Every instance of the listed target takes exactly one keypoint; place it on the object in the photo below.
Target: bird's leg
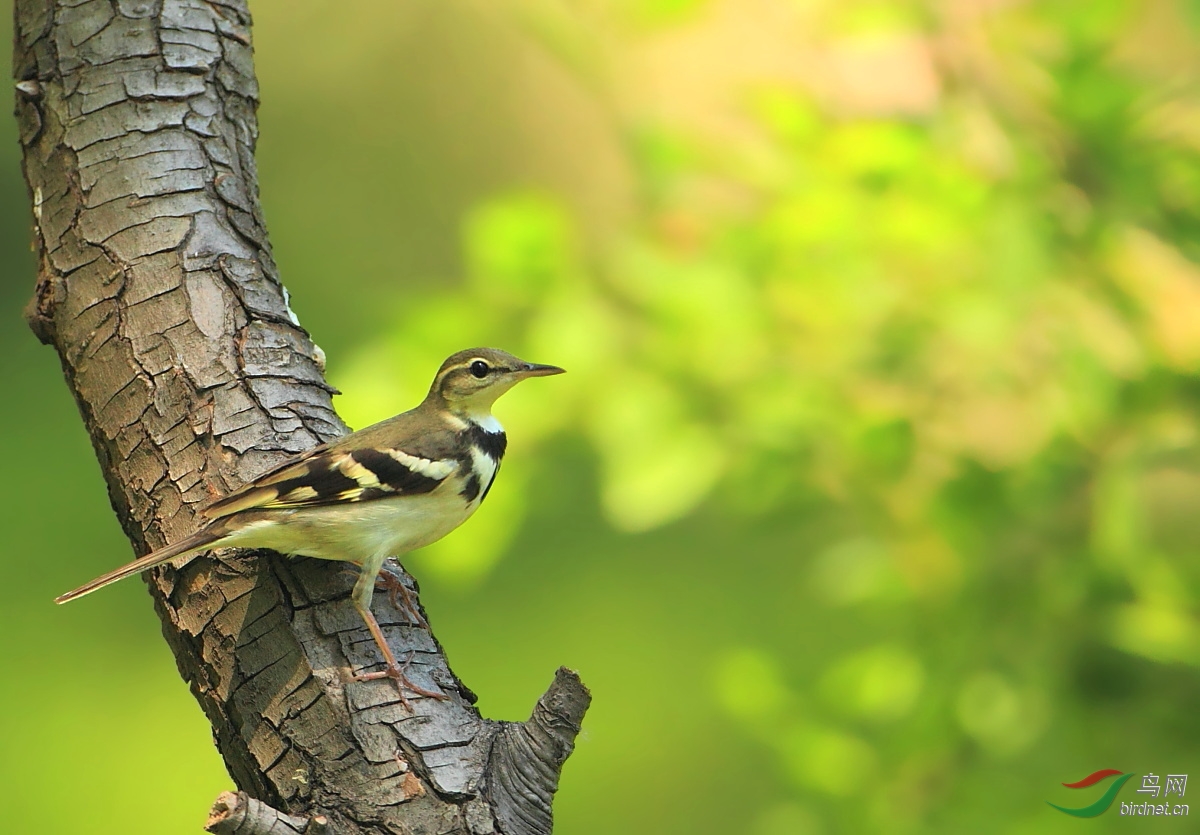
(400, 596)
(363, 591)
(398, 593)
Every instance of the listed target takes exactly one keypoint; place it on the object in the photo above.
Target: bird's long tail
(195, 542)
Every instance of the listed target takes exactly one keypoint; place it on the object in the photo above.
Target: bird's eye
(479, 369)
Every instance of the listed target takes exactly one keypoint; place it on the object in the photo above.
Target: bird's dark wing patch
(400, 474)
(334, 476)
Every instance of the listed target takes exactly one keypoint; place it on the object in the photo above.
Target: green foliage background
(870, 501)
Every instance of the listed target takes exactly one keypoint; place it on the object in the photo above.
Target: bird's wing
(334, 474)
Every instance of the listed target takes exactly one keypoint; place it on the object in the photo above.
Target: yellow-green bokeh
(869, 503)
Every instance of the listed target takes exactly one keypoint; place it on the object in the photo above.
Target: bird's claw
(403, 682)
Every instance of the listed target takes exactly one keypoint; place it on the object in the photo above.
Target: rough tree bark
(157, 288)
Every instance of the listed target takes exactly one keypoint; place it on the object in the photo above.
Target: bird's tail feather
(195, 542)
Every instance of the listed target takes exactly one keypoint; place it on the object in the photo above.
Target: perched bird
(378, 492)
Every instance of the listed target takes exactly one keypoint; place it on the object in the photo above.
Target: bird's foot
(403, 682)
(400, 596)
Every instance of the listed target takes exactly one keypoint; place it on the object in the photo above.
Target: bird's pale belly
(362, 532)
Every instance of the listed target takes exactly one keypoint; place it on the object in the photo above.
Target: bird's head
(470, 381)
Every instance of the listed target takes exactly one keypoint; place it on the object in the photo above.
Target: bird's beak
(534, 370)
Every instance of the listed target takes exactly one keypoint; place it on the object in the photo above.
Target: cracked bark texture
(157, 288)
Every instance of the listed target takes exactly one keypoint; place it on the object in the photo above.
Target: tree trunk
(157, 288)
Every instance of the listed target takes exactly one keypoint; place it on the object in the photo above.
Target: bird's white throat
(487, 422)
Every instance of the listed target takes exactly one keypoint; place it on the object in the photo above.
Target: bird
(382, 491)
